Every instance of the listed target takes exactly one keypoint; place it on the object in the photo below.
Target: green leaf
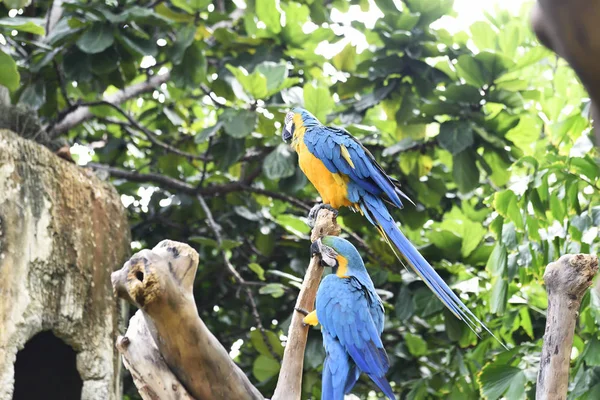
(34, 95)
(465, 171)
(274, 289)
(96, 39)
(499, 295)
(473, 234)
(293, 225)
(455, 136)
(140, 46)
(24, 24)
(268, 12)
(497, 262)
(258, 341)
(254, 84)
(228, 244)
(345, 60)
(276, 75)
(495, 380)
(9, 75)
(470, 70)
(238, 123)
(192, 70)
(280, 163)
(416, 345)
(264, 368)
(258, 270)
(183, 39)
(207, 133)
(405, 307)
(526, 321)
(484, 36)
(318, 101)
(507, 205)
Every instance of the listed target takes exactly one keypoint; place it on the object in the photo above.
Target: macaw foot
(314, 212)
(310, 317)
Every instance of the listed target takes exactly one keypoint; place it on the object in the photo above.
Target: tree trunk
(62, 231)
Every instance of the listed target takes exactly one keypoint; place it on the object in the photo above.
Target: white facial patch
(289, 121)
(328, 255)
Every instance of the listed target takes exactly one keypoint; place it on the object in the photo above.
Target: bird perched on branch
(345, 173)
(351, 316)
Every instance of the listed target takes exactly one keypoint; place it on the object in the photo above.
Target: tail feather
(384, 385)
(378, 214)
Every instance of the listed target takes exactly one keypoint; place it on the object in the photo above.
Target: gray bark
(566, 282)
(62, 231)
(160, 282)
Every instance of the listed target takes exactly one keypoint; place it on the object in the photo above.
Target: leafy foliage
(485, 129)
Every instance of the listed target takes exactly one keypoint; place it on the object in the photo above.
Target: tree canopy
(182, 102)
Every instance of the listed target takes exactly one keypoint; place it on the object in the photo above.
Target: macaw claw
(302, 311)
(314, 212)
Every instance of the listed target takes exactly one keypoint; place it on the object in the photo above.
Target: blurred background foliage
(487, 131)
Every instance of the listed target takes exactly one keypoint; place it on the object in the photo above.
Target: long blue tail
(376, 212)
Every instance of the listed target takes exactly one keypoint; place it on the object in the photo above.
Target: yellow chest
(332, 188)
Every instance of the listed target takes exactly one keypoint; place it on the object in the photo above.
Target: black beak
(288, 133)
(315, 248)
(287, 136)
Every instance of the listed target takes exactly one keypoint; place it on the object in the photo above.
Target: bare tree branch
(82, 114)
(566, 282)
(160, 282)
(289, 383)
(212, 224)
(151, 374)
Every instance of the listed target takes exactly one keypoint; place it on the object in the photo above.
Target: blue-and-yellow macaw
(351, 316)
(345, 173)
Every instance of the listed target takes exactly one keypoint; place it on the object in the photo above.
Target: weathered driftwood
(62, 231)
(160, 282)
(289, 383)
(566, 282)
(151, 374)
(570, 28)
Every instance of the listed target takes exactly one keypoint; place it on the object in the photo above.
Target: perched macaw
(351, 316)
(345, 173)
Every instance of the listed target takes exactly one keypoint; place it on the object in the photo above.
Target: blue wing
(345, 314)
(365, 173)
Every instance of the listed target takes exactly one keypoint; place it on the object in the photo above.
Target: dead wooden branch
(151, 374)
(289, 383)
(160, 282)
(566, 282)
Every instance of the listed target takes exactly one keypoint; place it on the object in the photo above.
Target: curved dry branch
(150, 373)
(160, 282)
(289, 383)
(566, 282)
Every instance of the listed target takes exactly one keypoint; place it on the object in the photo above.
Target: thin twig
(212, 224)
(61, 84)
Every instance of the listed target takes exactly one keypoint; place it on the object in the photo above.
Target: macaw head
(296, 119)
(339, 254)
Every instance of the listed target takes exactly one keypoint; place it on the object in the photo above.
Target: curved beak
(328, 255)
(288, 132)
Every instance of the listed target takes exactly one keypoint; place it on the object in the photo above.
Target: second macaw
(351, 315)
(345, 173)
